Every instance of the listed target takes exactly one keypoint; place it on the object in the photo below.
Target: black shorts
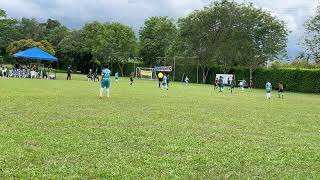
(131, 79)
(280, 91)
(160, 79)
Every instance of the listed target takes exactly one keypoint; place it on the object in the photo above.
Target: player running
(160, 78)
(280, 90)
(105, 81)
(165, 82)
(131, 78)
(268, 89)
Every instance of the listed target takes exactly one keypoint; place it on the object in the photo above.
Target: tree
(263, 37)
(31, 29)
(56, 35)
(229, 34)
(8, 32)
(156, 37)
(70, 49)
(24, 44)
(312, 40)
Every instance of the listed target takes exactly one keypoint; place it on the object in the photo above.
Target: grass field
(61, 130)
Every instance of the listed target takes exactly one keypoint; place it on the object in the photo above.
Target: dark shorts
(280, 91)
(160, 79)
(105, 83)
(131, 79)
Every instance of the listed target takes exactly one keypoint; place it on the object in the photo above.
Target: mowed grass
(61, 130)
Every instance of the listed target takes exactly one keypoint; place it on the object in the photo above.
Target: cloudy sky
(74, 13)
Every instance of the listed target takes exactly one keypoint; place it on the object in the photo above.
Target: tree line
(225, 33)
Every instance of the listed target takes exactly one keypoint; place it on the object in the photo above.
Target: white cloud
(75, 13)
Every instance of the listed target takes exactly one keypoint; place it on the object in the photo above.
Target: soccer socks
(108, 92)
(101, 92)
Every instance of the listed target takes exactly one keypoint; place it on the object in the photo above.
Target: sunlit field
(62, 130)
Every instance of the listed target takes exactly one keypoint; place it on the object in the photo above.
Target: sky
(75, 13)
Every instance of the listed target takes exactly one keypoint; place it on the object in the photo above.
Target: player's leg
(108, 88)
(103, 85)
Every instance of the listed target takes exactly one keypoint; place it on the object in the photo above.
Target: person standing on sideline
(280, 90)
(69, 71)
(105, 81)
(250, 85)
(160, 78)
(268, 89)
(131, 78)
(186, 80)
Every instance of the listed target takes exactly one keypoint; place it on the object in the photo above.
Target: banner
(146, 73)
(163, 68)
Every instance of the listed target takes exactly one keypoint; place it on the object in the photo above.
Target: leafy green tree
(230, 34)
(156, 38)
(312, 40)
(56, 35)
(24, 44)
(31, 29)
(8, 33)
(116, 44)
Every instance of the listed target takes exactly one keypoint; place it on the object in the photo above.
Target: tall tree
(312, 41)
(8, 33)
(228, 33)
(56, 35)
(116, 44)
(156, 37)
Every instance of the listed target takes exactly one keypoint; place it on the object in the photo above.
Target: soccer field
(62, 130)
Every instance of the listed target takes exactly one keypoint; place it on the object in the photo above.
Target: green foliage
(56, 35)
(157, 37)
(312, 40)
(24, 44)
(8, 32)
(116, 43)
(230, 34)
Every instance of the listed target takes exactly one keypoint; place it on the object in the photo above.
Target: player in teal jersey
(268, 90)
(105, 81)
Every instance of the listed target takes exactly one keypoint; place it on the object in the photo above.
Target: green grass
(61, 130)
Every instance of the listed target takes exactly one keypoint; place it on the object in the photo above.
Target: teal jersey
(105, 74)
(268, 87)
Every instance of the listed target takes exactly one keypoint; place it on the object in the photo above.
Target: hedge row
(297, 80)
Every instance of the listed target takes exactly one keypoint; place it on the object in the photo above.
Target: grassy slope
(60, 129)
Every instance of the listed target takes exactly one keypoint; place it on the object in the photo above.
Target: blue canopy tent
(36, 54)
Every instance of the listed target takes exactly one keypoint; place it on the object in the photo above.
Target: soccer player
(160, 78)
(280, 90)
(131, 78)
(186, 80)
(250, 85)
(268, 89)
(221, 85)
(232, 85)
(165, 82)
(105, 81)
(69, 71)
(216, 84)
(116, 75)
